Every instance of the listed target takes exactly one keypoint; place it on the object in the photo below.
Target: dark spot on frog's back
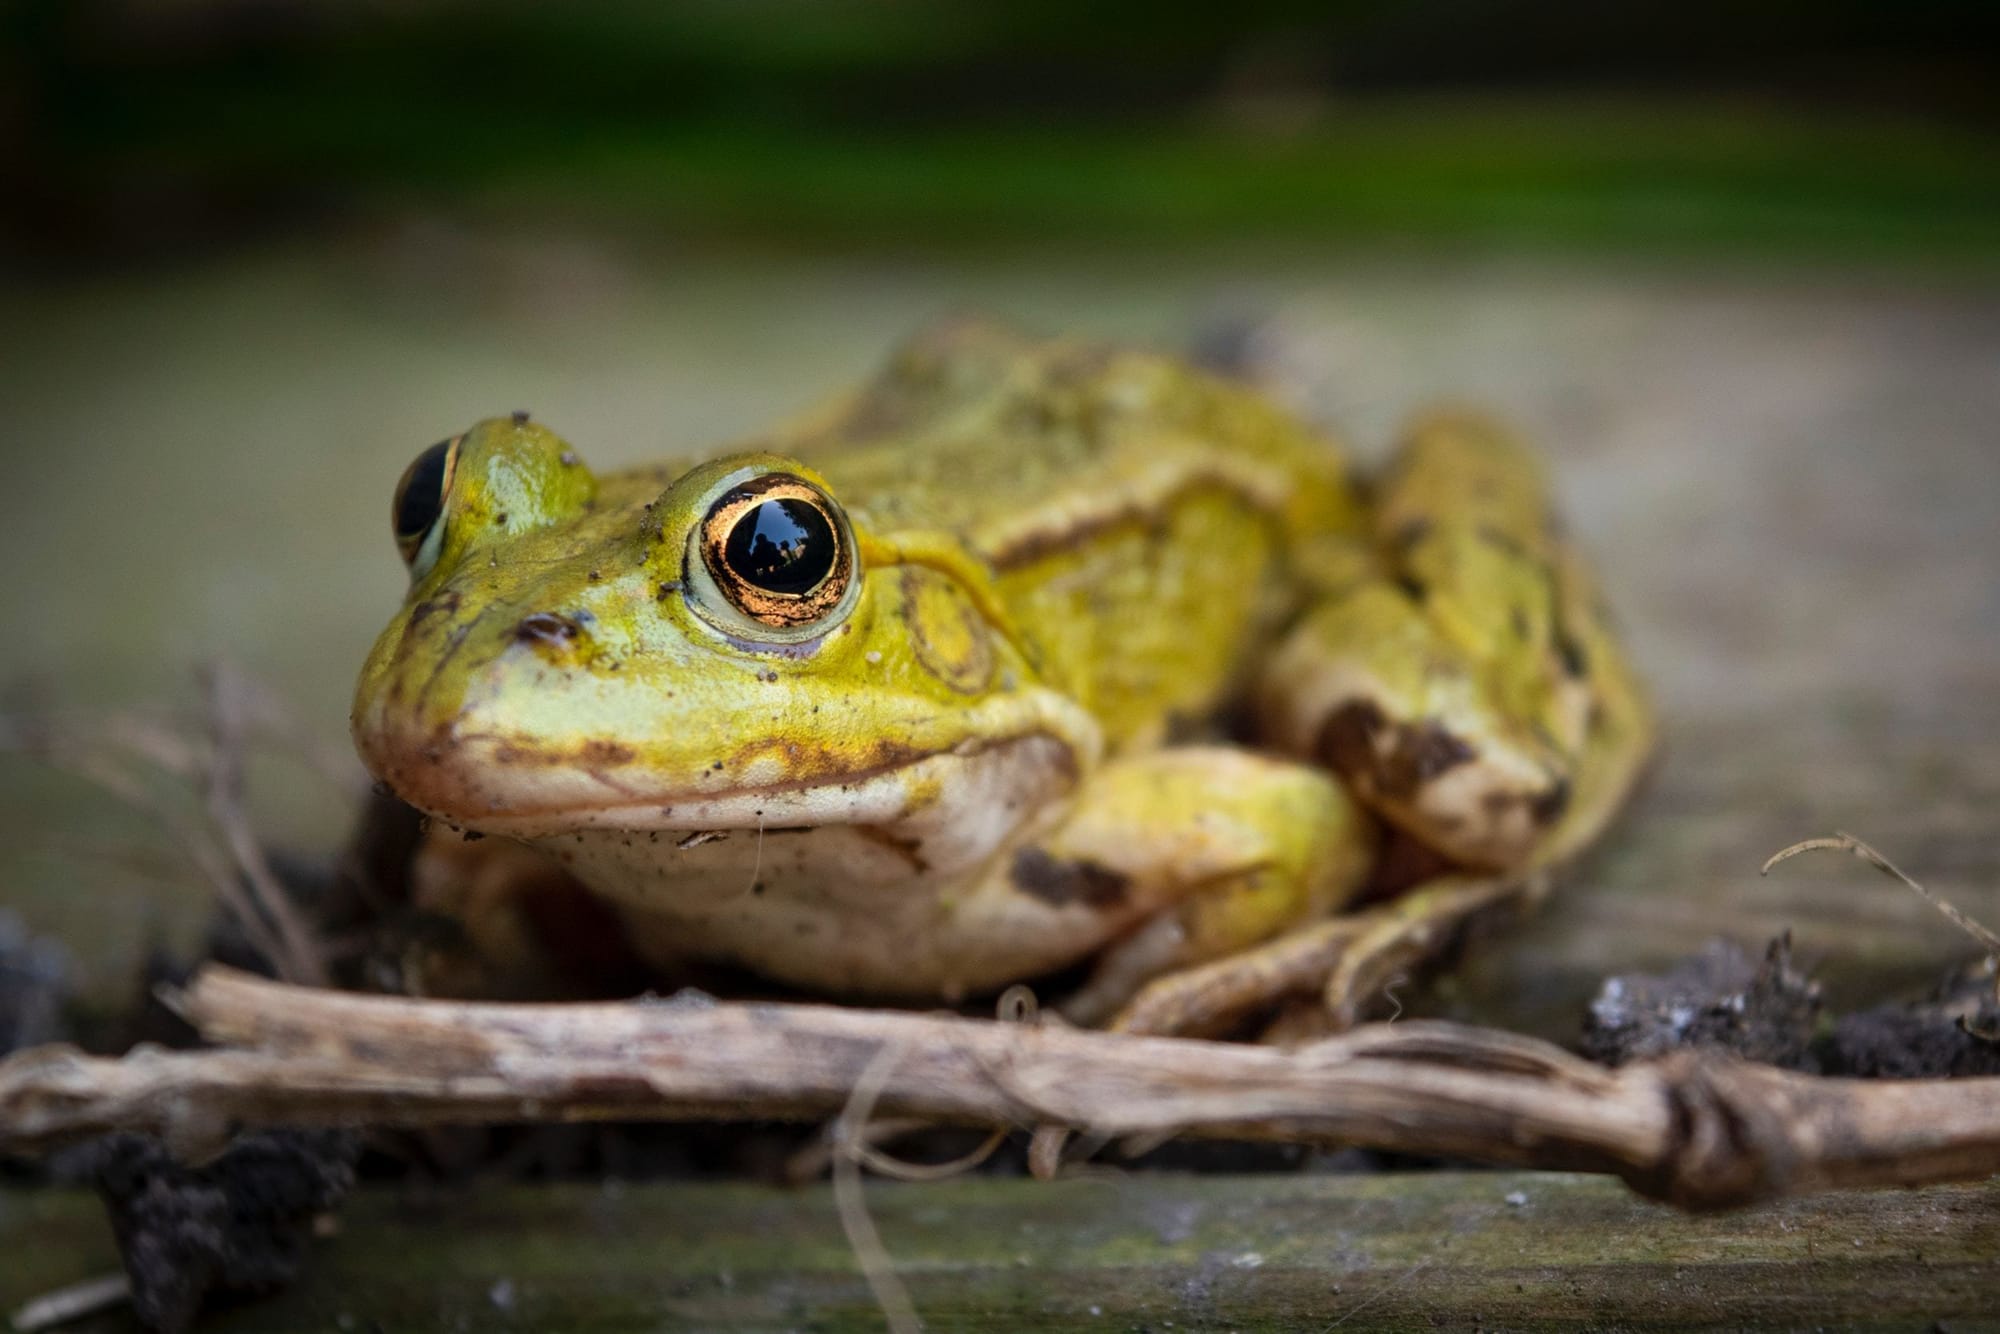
(1060, 883)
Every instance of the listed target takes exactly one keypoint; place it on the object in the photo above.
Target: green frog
(1024, 655)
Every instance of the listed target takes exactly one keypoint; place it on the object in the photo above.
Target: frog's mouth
(493, 785)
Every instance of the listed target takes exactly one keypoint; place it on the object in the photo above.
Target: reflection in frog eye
(782, 546)
(777, 549)
(418, 510)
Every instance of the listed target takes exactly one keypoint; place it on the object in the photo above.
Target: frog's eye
(418, 510)
(778, 548)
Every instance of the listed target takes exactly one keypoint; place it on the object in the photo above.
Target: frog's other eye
(779, 550)
(418, 510)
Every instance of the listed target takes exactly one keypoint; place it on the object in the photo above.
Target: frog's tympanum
(1024, 654)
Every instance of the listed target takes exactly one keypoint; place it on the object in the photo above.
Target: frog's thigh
(1200, 851)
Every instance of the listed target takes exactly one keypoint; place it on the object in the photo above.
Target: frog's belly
(916, 906)
(840, 909)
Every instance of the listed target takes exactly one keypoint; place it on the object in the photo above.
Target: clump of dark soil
(1769, 1011)
(1956, 1032)
(1763, 1010)
(235, 1226)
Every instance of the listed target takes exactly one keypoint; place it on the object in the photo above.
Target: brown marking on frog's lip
(421, 778)
(602, 752)
(460, 796)
(1060, 882)
(591, 754)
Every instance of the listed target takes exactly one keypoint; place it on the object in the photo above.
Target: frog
(1028, 658)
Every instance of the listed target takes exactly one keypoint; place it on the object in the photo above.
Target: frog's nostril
(544, 627)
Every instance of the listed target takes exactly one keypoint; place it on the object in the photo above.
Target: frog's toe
(1343, 965)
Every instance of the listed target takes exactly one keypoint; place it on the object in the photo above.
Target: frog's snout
(425, 718)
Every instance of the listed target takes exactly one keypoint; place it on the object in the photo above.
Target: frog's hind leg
(1195, 852)
(1464, 690)
(1221, 995)
(1350, 958)
(1468, 691)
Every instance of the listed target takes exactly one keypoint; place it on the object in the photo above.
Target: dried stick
(1698, 1129)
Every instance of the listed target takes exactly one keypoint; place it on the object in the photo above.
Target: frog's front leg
(1468, 692)
(1188, 853)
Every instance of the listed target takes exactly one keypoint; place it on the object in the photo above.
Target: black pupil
(782, 546)
(422, 495)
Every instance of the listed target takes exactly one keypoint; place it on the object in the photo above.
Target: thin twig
(1845, 842)
(73, 1302)
(904, 1170)
(1696, 1128)
(850, 1199)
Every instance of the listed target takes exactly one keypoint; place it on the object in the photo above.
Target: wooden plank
(1786, 480)
(1456, 1250)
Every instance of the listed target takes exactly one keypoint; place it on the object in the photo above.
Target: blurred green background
(255, 254)
(1840, 126)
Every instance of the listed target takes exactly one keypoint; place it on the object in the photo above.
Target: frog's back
(1141, 520)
